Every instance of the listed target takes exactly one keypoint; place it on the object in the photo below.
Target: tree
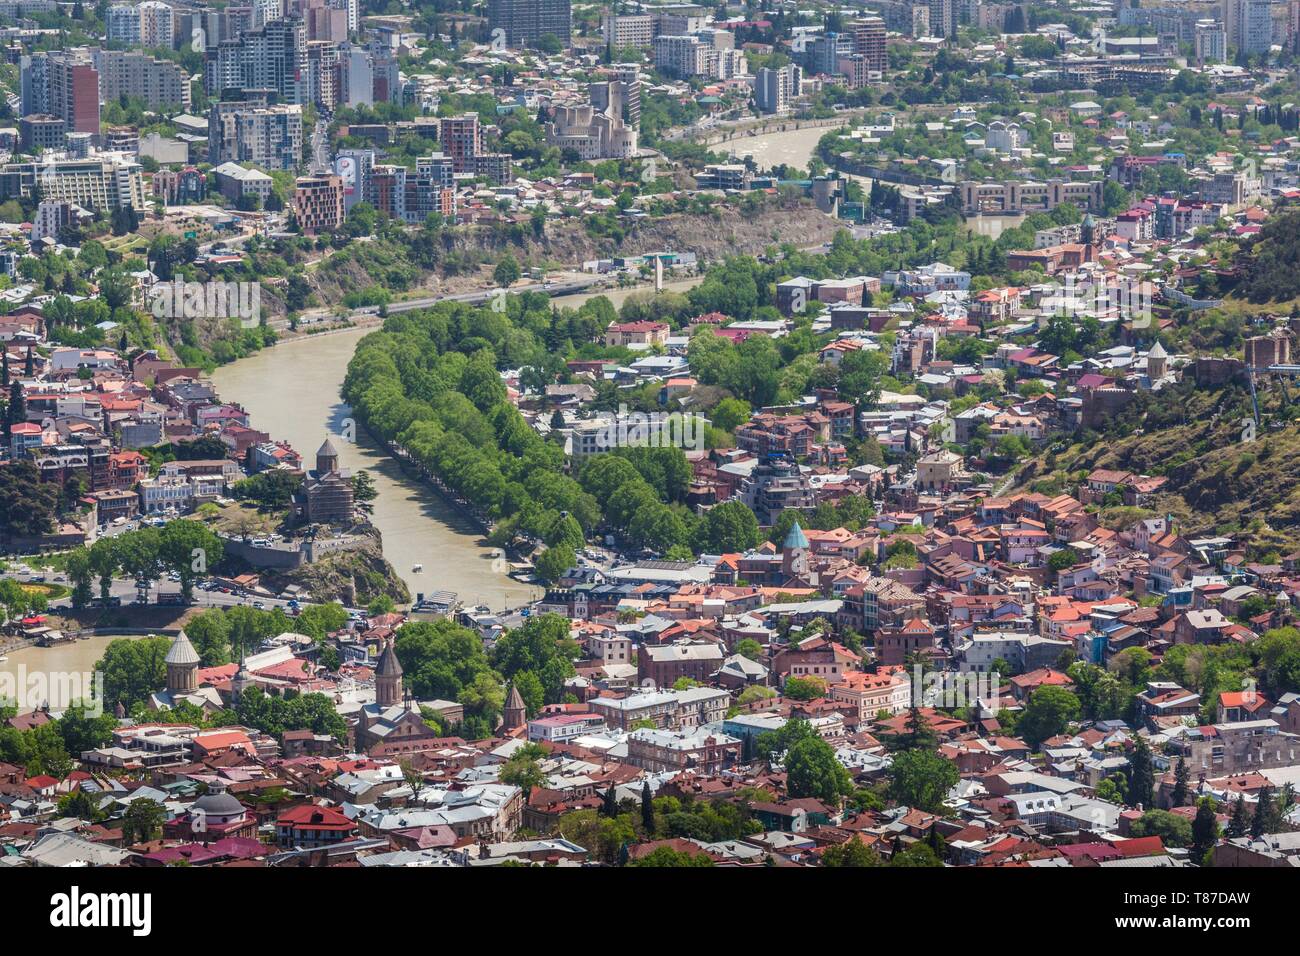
(750, 648)
(1205, 828)
(729, 413)
(1141, 779)
(133, 669)
(1049, 711)
(1237, 823)
(647, 809)
(916, 855)
(729, 528)
(553, 562)
(567, 532)
(1259, 822)
(523, 769)
(1179, 797)
(104, 563)
(917, 734)
(188, 548)
(79, 573)
(139, 553)
(81, 731)
(1173, 829)
(667, 856)
(142, 821)
(851, 853)
(805, 688)
(364, 492)
(609, 805)
(507, 271)
(921, 779)
(812, 771)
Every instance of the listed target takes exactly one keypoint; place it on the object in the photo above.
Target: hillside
(1217, 480)
(466, 254)
(1267, 263)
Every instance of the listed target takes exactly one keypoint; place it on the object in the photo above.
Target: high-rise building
(355, 167)
(251, 131)
(157, 82)
(318, 204)
(74, 91)
(775, 88)
(681, 56)
(62, 84)
(944, 17)
(1257, 29)
(350, 7)
(823, 52)
(271, 57)
(1248, 25)
(122, 25)
(869, 41)
(267, 11)
(157, 25)
(356, 77)
(323, 74)
(525, 22)
(107, 183)
(38, 132)
(1211, 42)
(635, 31)
(629, 75)
(462, 139)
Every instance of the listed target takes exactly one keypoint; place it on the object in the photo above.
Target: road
(567, 287)
(124, 588)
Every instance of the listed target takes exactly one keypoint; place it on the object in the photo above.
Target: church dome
(181, 651)
(219, 806)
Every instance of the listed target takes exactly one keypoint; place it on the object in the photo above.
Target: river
(74, 658)
(793, 147)
(291, 391)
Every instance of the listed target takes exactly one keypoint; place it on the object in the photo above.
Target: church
(327, 490)
(393, 723)
(182, 664)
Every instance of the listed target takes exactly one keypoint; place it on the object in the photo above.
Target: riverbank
(291, 390)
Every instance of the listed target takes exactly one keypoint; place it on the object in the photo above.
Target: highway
(124, 588)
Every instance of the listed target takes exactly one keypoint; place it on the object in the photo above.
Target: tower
(794, 552)
(242, 681)
(327, 458)
(514, 715)
(388, 678)
(1157, 361)
(1088, 230)
(182, 663)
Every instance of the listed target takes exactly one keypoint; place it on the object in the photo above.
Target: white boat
(418, 568)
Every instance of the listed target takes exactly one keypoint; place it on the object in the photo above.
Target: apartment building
(318, 203)
(461, 138)
(526, 22)
(250, 131)
(107, 182)
(157, 82)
